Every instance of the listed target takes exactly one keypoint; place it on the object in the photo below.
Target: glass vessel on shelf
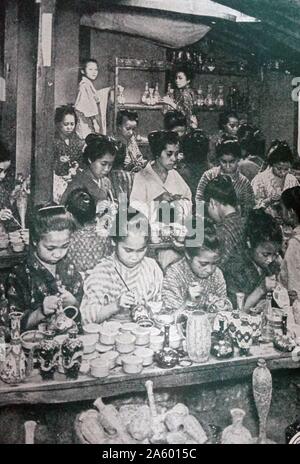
(220, 102)
(151, 97)
(121, 97)
(146, 95)
(156, 95)
(200, 101)
(209, 100)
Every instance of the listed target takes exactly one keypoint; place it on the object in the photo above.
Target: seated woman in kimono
(159, 182)
(125, 279)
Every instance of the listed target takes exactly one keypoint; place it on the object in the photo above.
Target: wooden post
(44, 102)
(11, 45)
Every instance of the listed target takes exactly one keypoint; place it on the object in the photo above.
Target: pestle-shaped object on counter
(30, 427)
(157, 420)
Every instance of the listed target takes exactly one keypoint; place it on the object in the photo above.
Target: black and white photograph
(149, 224)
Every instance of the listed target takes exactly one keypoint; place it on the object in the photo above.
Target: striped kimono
(104, 286)
(242, 187)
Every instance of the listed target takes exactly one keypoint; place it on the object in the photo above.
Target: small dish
(132, 364)
(146, 354)
(104, 348)
(128, 327)
(164, 319)
(125, 343)
(90, 356)
(92, 328)
(31, 339)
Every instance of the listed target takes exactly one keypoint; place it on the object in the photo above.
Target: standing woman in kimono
(87, 104)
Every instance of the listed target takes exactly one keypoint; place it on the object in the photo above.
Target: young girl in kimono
(196, 276)
(125, 279)
(47, 279)
(87, 103)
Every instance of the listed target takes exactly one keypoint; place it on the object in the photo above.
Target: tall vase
(13, 368)
(262, 392)
(198, 336)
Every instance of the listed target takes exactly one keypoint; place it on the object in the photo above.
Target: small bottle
(209, 100)
(146, 95)
(156, 95)
(220, 102)
(267, 334)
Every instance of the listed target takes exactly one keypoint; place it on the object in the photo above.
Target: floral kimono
(290, 266)
(28, 284)
(267, 186)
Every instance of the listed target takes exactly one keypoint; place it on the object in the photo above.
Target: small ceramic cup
(132, 364)
(99, 368)
(146, 354)
(89, 343)
(157, 343)
(110, 357)
(107, 337)
(125, 343)
(142, 335)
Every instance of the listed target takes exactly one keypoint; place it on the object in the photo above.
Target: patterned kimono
(184, 99)
(176, 284)
(68, 158)
(87, 106)
(104, 286)
(28, 284)
(267, 186)
(242, 187)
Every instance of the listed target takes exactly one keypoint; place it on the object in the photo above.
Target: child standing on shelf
(47, 278)
(87, 104)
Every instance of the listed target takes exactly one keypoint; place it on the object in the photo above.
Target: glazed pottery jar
(13, 368)
(243, 336)
(234, 325)
(72, 352)
(255, 322)
(236, 434)
(222, 346)
(198, 336)
(48, 356)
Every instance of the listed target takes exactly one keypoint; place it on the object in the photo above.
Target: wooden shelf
(140, 106)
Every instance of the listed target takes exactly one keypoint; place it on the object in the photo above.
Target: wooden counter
(60, 390)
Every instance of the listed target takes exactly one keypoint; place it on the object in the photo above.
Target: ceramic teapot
(63, 322)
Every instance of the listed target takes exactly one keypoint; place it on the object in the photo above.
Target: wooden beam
(11, 46)
(44, 118)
